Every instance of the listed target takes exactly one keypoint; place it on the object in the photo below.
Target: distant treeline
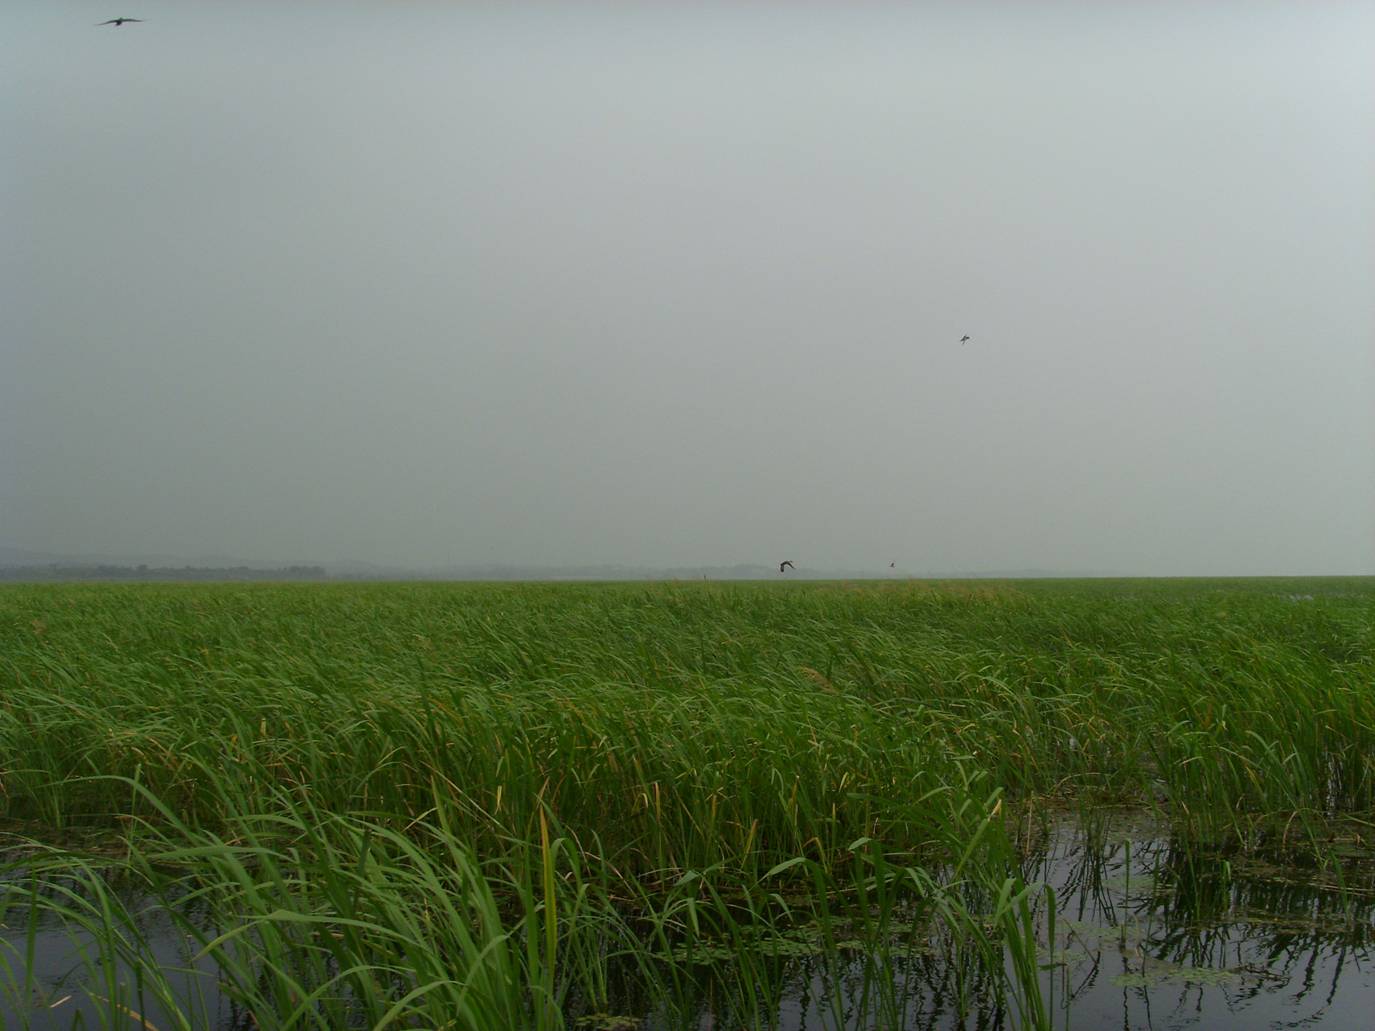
(56, 571)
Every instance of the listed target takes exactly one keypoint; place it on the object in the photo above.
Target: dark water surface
(57, 974)
(1150, 934)
(1162, 935)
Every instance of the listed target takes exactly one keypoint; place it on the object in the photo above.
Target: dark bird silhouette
(117, 22)
(785, 565)
(964, 339)
(892, 565)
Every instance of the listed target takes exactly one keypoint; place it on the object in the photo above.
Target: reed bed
(492, 806)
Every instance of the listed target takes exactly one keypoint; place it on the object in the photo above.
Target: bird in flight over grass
(892, 565)
(117, 22)
(964, 339)
(785, 565)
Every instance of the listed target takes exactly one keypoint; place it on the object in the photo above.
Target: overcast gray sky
(429, 283)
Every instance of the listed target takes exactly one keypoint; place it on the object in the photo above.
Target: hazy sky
(435, 283)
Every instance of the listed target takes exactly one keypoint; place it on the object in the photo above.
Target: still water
(1150, 933)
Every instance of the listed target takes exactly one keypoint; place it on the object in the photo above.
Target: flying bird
(964, 339)
(117, 22)
(892, 565)
(785, 565)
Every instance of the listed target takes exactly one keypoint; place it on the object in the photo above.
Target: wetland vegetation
(681, 805)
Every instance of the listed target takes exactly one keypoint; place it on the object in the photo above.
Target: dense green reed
(480, 806)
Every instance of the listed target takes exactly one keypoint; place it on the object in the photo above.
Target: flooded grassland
(1136, 804)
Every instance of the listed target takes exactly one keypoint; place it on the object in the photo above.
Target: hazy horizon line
(15, 559)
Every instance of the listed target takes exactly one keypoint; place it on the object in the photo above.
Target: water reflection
(60, 973)
(1150, 932)
(1167, 934)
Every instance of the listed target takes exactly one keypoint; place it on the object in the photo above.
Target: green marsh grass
(481, 806)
